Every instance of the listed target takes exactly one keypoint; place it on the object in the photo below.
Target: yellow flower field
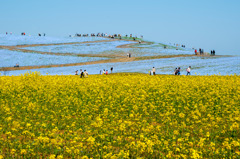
(119, 116)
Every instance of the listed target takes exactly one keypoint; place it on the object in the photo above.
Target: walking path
(113, 58)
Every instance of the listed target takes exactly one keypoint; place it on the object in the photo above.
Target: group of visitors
(212, 52)
(105, 72)
(153, 71)
(23, 33)
(201, 51)
(41, 34)
(17, 65)
(85, 73)
(129, 55)
(82, 73)
(177, 71)
(112, 36)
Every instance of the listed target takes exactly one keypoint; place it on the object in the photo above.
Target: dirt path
(71, 43)
(131, 45)
(114, 58)
(19, 48)
(125, 59)
(64, 54)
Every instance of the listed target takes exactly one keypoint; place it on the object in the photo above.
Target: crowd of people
(213, 52)
(23, 33)
(177, 71)
(201, 52)
(129, 55)
(82, 73)
(39, 34)
(17, 65)
(113, 36)
(105, 72)
(153, 71)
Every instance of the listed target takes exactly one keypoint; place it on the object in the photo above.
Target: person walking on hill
(213, 52)
(188, 70)
(85, 74)
(76, 72)
(154, 71)
(177, 72)
(111, 69)
(81, 73)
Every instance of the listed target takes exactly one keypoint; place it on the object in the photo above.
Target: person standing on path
(188, 70)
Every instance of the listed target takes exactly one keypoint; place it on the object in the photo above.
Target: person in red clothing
(195, 51)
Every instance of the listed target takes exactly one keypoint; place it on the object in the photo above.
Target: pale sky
(207, 24)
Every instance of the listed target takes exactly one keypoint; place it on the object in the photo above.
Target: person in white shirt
(153, 70)
(85, 73)
(188, 70)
